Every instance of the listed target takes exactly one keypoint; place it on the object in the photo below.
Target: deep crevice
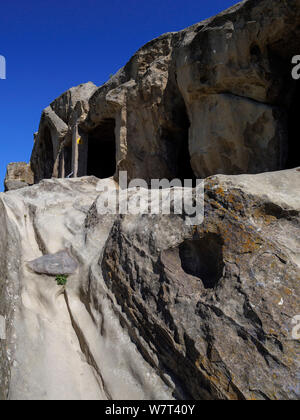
(85, 350)
(67, 160)
(184, 167)
(102, 150)
(175, 137)
(285, 94)
(203, 258)
(293, 159)
(47, 154)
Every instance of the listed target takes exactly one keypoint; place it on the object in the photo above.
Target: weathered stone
(214, 304)
(68, 346)
(204, 311)
(217, 97)
(52, 152)
(18, 175)
(159, 309)
(60, 263)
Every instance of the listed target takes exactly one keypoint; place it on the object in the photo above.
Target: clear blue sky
(51, 46)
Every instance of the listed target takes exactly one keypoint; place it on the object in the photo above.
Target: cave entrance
(101, 160)
(48, 154)
(67, 156)
(285, 94)
(175, 137)
(203, 259)
(184, 169)
(293, 128)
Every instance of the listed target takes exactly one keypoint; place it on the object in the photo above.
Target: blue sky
(51, 46)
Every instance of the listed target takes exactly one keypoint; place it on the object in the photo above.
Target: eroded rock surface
(67, 345)
(157, 308)
(18, 175)
(214, 304)
(217, 97)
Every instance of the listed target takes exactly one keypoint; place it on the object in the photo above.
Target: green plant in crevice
(61, 280)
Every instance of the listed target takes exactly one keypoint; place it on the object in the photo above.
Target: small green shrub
(61, 280)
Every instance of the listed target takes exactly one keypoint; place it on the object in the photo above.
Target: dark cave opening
(68, 160)
(102, 150)
(293, 160)
(175, 137)
(284, 93)
(184, 169)
(48, 154)
(203, 258)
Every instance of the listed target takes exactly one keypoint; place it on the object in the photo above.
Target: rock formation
(217, 97)
(214, 303)
(156, 308)
(18, 175)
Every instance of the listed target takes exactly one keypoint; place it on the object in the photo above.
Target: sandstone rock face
(217, 97)
(18, 175)
(214, 304)
(157, 308)
(63, 345)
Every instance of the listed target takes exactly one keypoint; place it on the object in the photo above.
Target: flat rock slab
(54, 264)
